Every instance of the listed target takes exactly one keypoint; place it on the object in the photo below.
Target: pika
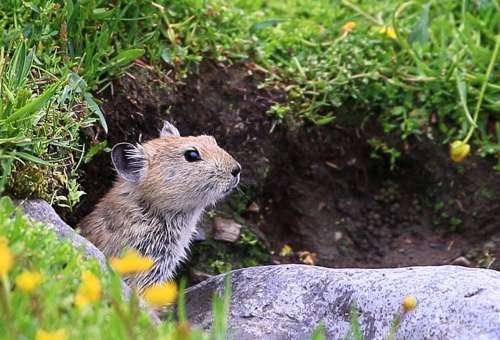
(160, 193)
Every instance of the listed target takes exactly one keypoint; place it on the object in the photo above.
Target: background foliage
(419, 67)
(56, 56)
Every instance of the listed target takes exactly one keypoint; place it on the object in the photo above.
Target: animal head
(176, 173)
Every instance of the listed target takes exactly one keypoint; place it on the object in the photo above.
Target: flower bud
(409, 303)
(459, 150)
(349, 26)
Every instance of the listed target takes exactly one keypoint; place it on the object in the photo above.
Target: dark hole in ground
(318, 188)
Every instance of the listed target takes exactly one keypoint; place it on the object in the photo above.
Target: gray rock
(226, 229)
(289, 301)
(41, 211)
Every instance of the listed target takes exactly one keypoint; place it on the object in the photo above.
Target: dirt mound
(355, 212)
(318, 188)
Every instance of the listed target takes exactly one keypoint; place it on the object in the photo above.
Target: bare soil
(318, 189)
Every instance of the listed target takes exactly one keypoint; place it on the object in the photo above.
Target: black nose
(236, 170)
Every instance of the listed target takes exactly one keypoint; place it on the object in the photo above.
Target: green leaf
(181, 302)
(7, 205)
(355, 326)
(30, 157)
(27, 67)
(102, 13)
(15, 140)
(166, 55)
(220, 310)
(18, 61)
(94, 150)
(462, 93)
(127, 56)
(324, 120)
(94, 108)
(393, 331)
(6, 165)
(34, 105)
(21, 65)
(265, 24)
(420, 32)
(319, 332)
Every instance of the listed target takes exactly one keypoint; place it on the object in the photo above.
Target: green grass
(51, 306)
(437, 78)
(441, 54)
(427, 82)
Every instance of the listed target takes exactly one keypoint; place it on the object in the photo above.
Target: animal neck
(169, 232)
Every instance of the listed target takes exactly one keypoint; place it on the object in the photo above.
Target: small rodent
(162, 189)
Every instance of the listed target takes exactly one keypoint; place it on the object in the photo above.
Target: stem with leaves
(483, 88)
(5, 306)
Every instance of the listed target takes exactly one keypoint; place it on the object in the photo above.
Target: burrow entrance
(317, 189)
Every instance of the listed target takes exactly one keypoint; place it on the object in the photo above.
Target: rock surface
(41, 211)
(226, 229)
(289, 301)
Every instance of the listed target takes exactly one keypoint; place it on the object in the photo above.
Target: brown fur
(158, 213)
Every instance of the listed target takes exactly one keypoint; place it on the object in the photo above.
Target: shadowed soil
(318, 189)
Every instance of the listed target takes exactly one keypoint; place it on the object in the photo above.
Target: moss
(216, 257)
(31, 180)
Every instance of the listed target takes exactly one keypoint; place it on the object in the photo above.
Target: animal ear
(169, 130)
(128, 161)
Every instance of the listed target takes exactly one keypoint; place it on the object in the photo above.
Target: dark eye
(192, 156)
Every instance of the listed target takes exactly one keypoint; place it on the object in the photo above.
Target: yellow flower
(391, 33)
(60, 334)
(388, 31)
(132, 262)
(28, 281)
(286, 250)
(409, 303)
(81, 300)
(6, 258)
(459, 150)
(89, 291)
(161, 295)
(349, 26)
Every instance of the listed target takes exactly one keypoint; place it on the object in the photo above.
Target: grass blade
(94, 108)
(265, 24)
(34, 105)
(18, 62)
(420, 32)
(319, 332)
(125, 57)
(31, 158)
(181, 302)
(220, 310)
(355, 326)
(6, 165)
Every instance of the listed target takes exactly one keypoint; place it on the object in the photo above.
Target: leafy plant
(394, 61)
(41, 278)
(355, 330)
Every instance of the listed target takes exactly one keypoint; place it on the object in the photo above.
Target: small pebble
(337, 236)
(226, 229)
(461, 261)
(253, 208)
